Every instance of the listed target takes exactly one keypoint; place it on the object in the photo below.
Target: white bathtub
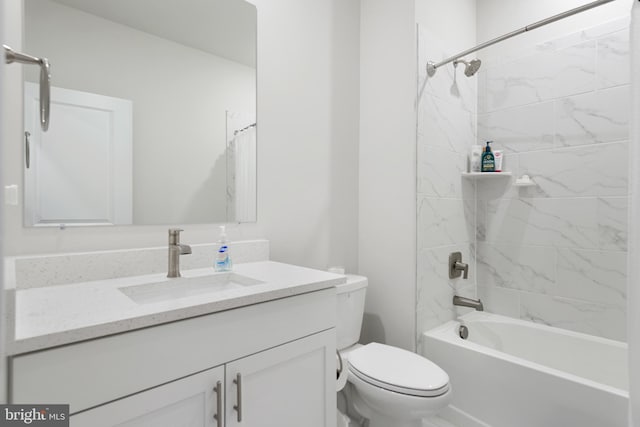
(514, 373)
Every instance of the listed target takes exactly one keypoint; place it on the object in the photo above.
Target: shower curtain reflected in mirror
(241, 168)
(244, 145)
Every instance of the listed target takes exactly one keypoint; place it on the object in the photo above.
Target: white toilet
(388, 385)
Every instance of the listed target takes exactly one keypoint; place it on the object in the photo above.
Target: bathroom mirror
(153, 117)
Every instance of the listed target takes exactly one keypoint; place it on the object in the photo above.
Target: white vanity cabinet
(274, 362)
(189, 402)
(285, 386)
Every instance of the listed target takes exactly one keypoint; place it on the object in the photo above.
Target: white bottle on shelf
(475, 158)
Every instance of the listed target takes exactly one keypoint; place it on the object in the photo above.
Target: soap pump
(488, 159)
(222, 240)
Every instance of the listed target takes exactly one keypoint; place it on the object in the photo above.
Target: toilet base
(377, 419)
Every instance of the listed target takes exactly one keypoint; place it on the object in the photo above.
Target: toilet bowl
(387, 385)
(396, 387)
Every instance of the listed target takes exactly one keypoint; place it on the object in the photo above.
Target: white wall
(452, 22)
(180, 97)
(387, 209)
(308, 129)
(307, 144)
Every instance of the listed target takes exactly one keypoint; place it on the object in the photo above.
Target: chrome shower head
(470, 68)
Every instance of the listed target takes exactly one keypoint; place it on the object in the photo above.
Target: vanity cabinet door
(188, 402)
(291, 385)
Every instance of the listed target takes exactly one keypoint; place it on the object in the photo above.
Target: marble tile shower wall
(556, 253)
(446, 111)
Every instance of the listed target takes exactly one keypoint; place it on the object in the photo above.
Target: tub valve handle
(464, 267)
(457, 268)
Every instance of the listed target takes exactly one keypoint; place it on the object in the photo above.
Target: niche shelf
(486, 175)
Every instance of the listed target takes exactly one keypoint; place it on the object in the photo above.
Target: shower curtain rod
(235, 132)
(432, 67)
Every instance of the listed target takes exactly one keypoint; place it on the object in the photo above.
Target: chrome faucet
(175, 250)
(468, 302)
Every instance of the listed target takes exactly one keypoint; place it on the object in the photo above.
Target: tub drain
(463, 331)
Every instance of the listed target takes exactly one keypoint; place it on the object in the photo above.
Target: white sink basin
(182, 287)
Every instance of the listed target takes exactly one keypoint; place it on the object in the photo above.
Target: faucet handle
(461, 266)
(174, 236)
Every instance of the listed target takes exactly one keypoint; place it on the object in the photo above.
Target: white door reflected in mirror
(79, 172)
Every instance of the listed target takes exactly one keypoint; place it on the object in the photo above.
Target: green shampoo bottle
(488, 161)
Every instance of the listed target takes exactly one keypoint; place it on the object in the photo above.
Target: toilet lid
(398, 370)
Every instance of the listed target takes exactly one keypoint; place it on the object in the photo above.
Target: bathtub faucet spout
(468, 302)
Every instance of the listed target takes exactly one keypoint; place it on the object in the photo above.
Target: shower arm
(12, 56)
(432, 67)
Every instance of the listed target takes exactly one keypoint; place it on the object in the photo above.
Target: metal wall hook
(12, 56)
(27, 149)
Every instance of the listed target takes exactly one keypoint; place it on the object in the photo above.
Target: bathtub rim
(447, 332)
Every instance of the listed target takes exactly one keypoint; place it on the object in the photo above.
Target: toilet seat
(398, 370)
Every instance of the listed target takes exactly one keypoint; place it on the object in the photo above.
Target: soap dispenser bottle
(488, 159)
(222, 261)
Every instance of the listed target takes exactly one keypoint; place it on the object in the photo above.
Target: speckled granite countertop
(57, 315)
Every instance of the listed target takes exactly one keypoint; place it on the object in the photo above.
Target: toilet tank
(350, 307)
